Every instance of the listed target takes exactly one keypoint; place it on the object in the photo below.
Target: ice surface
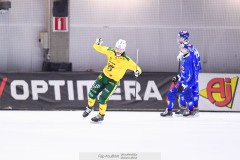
(61, 135)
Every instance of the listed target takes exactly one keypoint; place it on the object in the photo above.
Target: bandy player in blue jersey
(184, 83)
(183, 39)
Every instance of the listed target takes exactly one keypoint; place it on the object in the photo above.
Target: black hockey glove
(181, 88)
(175, 79)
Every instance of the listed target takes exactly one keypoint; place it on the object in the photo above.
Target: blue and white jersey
(196, 59)
(187, 72)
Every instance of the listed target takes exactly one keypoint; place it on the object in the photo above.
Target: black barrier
(68, 91)
(56, 67)
(60, 8)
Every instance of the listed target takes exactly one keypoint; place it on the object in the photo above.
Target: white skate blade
(99, 122)
(191, 116)
(166, 116)
(178, 115)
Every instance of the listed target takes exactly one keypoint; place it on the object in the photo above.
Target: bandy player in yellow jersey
(107, 82)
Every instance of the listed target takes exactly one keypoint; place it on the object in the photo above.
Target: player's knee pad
(92, 94)
(182, 101)
(102, 99)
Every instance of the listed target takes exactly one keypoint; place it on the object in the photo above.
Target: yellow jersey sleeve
(100, 48)
(133, 66)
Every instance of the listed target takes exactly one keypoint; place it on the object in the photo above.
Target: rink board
(69, 90)
(219, 92)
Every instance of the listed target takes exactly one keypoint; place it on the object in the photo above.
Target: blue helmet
(183, 34)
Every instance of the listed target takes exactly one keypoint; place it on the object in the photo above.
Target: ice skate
(189, 114)
(166, 113)
(87, 111)
(196, 110)
(180, 112)
(98, 118)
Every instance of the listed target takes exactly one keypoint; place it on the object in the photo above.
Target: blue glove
(176, 78)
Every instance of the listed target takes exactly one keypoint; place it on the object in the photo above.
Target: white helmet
(121, 44)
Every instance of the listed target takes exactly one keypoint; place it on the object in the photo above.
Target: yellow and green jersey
(116, 66)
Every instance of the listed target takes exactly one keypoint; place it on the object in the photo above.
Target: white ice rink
(61, 135)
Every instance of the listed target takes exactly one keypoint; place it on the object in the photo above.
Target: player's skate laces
(98, 118)
(166, 113)
(87, 111)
